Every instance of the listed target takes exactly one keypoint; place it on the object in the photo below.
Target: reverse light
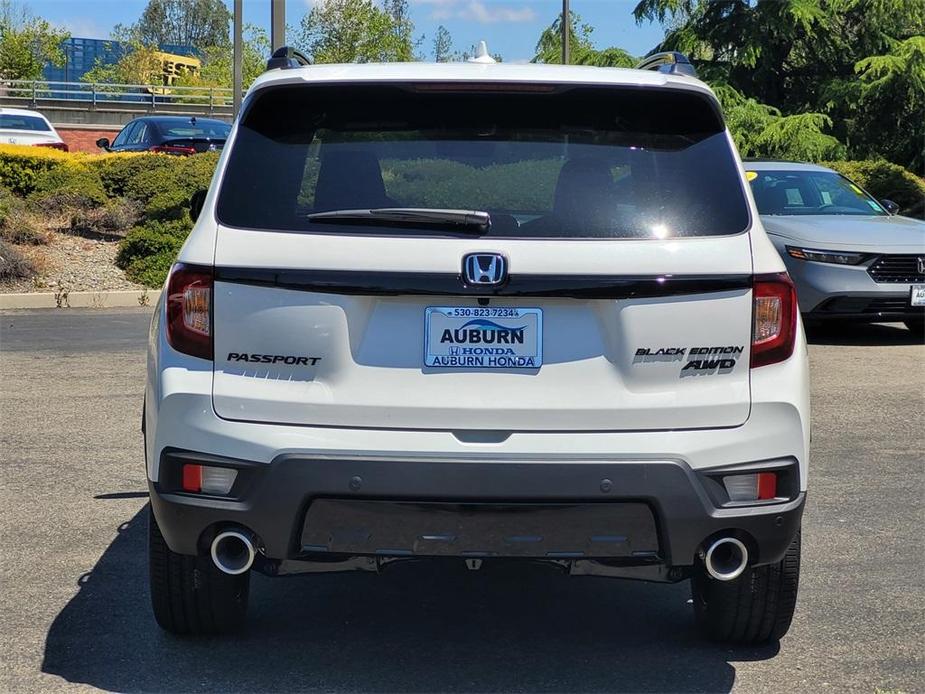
(189, 310)
(774, 313)
(207, 479)
(833, 257)
(757, 486)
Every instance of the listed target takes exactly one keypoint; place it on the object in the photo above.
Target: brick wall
(84, 139)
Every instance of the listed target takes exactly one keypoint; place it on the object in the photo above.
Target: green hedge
(886, 181)
(147, 192)
(147, 251)
(20, 165)
(67, 186)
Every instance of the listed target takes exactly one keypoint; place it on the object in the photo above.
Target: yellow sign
(172, 67)
(750, 176)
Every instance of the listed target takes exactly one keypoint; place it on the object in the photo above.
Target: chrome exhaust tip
(726, 559)
(233, 551)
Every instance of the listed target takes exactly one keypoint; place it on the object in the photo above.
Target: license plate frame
(917, 295)
(508, 350)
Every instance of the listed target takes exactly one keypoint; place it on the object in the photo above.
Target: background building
(81, 54)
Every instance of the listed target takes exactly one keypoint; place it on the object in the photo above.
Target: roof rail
(668, 62)
(286, 58)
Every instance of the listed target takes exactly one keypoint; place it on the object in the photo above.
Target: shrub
(171, 204)
(114, 219)
(24, 228)
(117, 170)
(147, 252)
(21, 164)
(152, 270)
(186, 174)
(67, 186)
(886, 181)
(14, 265)
(17, 225)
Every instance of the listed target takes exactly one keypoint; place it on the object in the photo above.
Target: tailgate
(345, 347)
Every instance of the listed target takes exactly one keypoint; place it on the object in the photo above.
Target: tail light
(774, 312)
(173, 149)
(53, 145)
(189, 310)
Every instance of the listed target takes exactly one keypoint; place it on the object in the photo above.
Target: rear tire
(189, 594)
(757, 607)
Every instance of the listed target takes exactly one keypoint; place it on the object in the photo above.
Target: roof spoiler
(286, 58)
(668, 62)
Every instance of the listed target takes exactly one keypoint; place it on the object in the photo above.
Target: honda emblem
(484, 268)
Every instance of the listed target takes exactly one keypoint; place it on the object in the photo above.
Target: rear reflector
(758, 486)
(189, 310)
(192, 478)
(173, 149)
(206, 479)
(774, 312)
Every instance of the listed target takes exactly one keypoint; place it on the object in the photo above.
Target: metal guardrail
(101, 96)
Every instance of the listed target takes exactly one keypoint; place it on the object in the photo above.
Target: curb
(135, 298)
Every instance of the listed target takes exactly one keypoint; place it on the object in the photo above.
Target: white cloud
(490, 14)
(479, 11)
(84, 28)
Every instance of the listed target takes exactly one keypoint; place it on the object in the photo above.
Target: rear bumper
(637, 512)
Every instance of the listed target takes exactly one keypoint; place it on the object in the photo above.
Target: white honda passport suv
(482, 311)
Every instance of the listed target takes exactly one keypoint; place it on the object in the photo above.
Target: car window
(9, 121)
(138, 134)
(186, 128)
(575, 162)
(810, 193)
(123, 136)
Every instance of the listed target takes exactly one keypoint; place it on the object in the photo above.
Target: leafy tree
(218, 62)
(140, 64)
(443, 45)
(402, 25)
(355, 31)
(581, 47)
(197, 23)
(886, 98)
(27, 43)
(760, 130)
(852, 67)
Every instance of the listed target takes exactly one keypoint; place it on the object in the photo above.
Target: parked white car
(21, 127)
(482, 311)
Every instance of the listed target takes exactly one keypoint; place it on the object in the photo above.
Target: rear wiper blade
(471, 219)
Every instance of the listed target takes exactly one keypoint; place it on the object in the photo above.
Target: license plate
(477, 337)
(918, 295)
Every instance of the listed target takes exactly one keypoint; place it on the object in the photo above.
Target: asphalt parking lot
(74, 604)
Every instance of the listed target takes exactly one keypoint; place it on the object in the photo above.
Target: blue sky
(511, 27)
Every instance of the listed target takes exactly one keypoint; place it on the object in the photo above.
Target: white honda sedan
(21, 127)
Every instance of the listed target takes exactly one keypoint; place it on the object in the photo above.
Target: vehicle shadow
(418, 627)
(861, 334)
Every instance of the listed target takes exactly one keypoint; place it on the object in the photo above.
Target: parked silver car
(850, 255)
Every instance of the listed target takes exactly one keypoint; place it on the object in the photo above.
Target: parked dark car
(169, 134)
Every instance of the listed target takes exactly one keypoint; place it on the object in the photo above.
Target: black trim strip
(356, 282)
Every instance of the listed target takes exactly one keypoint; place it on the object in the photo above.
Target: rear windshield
(186, 128)
(565, 163)
(9, 121)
